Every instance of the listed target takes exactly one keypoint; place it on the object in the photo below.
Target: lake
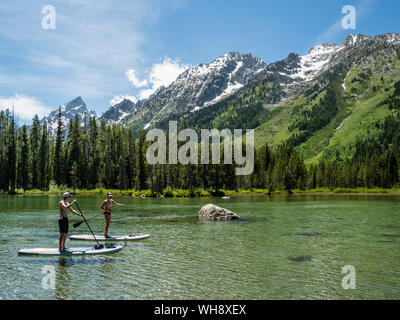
(285, 247)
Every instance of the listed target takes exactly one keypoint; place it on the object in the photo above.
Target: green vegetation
(169, 193)
(341, 134)
(94, 158)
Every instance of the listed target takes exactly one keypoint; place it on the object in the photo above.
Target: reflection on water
(282, 248)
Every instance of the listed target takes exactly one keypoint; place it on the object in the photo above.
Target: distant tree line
(103, 156)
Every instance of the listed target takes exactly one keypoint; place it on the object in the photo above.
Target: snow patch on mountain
(232, 88)
(344, 81)
(314, 61)
(116, 113)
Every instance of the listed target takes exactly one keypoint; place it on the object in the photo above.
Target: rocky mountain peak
(119, 111)
(76, 107)
(200, 86)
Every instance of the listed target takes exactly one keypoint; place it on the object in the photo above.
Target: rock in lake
(212, 212)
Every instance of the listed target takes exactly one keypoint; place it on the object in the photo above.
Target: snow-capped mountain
(297, 73)
(68, 112)
(232, 75)
(119, 111)
(208, 84)
(198, 87)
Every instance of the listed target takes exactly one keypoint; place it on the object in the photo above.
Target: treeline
(375, 161)
(101, 156)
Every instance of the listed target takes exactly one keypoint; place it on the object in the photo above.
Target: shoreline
(201, 193)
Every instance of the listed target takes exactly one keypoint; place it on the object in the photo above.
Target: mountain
(321, 102)
(196, 88)
(68, 112)
(119, 111)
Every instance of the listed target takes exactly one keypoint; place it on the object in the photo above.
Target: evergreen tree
(23, 160)
(141, 175)
(35, 134)
(12, 155)
(44, 175)
(59, 160)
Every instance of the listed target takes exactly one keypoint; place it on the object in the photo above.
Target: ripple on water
(300, 258)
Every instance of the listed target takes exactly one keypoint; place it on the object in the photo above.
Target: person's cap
(67, 195)
(109, 194)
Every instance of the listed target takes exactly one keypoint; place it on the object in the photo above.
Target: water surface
(284, 248)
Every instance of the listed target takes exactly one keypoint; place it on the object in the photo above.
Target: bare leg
(65, 238)
(60, 241)
(61, 246)
(107, 218)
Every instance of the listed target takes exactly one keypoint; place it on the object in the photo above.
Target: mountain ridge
(312, 100)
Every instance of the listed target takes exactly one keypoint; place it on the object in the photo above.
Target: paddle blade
(77, 224)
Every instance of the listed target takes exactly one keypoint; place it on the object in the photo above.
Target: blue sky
(104, 50)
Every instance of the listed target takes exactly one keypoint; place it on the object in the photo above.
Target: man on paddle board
(63, 220)
(106, 205)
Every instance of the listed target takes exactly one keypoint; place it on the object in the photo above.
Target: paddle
(98, 244)
(77, 224)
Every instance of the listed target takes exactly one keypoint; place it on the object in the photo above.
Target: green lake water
(283, 248)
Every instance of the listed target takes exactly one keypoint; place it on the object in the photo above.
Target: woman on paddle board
(106, 205)
(63, 220)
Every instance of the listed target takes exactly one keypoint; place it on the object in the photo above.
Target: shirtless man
(106, 206)
(63, 220)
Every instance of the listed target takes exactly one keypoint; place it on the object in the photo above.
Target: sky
(106, 50)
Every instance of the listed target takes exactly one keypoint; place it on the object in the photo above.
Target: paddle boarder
(106, 206)
(63, 220)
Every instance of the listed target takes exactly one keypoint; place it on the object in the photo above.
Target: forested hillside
(337, 125)
(102, 156)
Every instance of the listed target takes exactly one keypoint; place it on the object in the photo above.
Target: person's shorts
(63, 224)
(105, 212)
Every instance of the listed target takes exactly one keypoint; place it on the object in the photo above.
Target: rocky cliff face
(116, 113)
(197, 88)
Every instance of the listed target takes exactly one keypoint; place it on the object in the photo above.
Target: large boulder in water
(215, 213)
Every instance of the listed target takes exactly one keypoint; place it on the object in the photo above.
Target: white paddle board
(89, 237)
(69, 252)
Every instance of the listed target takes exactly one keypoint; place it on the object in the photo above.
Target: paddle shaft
(76, 225)
(83, 216)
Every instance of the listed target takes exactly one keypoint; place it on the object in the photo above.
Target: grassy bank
(180, 193)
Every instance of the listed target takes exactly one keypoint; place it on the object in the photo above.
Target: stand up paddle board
(89, 237)
(69, 252)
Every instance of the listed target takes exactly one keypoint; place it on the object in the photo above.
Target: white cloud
(161, 74)
(24, 107)
(144, 94)
(120, 98)
(131, 74)
(104, 39)
(166, 72)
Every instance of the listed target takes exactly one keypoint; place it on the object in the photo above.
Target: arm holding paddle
(69, 206)
(74, 211)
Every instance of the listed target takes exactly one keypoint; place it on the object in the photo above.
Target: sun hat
(67, 195)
